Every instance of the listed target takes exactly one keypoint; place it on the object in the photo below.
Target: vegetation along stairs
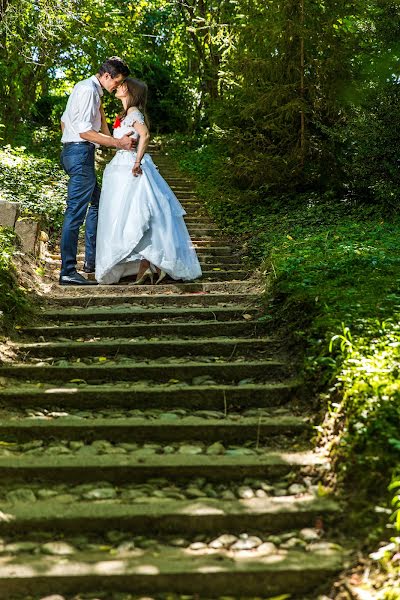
(154, 440)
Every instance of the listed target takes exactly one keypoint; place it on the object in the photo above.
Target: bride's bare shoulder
(132, 109)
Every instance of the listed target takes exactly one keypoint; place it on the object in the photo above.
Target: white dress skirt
(140, 218)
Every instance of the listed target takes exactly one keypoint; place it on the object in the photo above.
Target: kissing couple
(134, 224)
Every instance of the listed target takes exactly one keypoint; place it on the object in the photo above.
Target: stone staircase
(153, 441)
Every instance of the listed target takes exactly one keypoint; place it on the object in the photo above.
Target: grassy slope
(334, 273)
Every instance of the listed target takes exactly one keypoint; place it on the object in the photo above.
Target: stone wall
(28, 229)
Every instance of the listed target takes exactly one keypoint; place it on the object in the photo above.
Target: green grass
(334, 272)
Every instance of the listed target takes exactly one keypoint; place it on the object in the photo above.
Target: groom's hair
(114, 66)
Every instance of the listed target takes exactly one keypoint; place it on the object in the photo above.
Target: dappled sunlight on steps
(157, 439)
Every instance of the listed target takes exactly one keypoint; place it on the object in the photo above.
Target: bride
(140, 227)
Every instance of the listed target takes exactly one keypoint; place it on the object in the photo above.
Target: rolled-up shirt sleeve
(87, 110)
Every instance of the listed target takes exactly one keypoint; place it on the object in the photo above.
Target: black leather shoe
(76, 279)
(88, 268)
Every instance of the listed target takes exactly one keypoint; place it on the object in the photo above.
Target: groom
(84, 128)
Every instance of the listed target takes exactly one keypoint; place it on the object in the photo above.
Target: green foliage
(369, 148)
(395, 488)
(39, 184)
(300, 95)
(367, 405)
(43, 52)
(334, 271)
(13, 300)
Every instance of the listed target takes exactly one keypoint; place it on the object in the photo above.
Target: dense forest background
(296, 94)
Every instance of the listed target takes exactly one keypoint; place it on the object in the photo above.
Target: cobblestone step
(124, 468)
(133, 314)
(219, 276)
(167, 516)
(221, 397)
(160, 300)
(211, 287)
(142, 413)
(227, 372)
(208, 261)
(150, 330)
(142, 430)
(171, 569)
(148, 349)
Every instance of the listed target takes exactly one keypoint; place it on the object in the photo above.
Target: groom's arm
(104, 125)
(124, 143)
(85, 119)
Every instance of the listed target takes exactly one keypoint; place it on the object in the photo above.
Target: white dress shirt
(82, 112)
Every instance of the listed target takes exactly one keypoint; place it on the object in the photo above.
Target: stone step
(198, 224)
(156, 300)
(224, 398)
(139, 314)
(195, 328)
(221, 275)
(202, 232)
(221, 372)
(206, 236)
(193, 209)
(124, 468)
(233, 287)
(168, 516)
(180, 183)
(184, 195)
(204, 259)
(216, 266)
(172, 570)
(148, 348)
(217, 243)
(141, 430)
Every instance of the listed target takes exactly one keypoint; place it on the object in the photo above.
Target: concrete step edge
(152, 370)
(173, 571)
(91, 465)
(213, 328)
(200, 515)
(142, 429)
(179, 311)
(221, 397)
(101, 346)
(157, 298)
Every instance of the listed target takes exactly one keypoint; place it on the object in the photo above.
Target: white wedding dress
(140, 218)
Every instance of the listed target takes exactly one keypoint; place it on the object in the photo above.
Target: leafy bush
(47, 110)
(395, 487)
(13, 300)
(39, 184)
(367, 148)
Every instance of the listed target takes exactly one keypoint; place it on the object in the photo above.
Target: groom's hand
(127, 142)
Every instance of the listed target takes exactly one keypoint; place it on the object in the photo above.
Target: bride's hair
(137, 96)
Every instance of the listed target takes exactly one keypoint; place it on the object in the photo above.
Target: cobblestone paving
(155, 444)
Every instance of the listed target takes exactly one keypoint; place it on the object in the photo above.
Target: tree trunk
(302, 86)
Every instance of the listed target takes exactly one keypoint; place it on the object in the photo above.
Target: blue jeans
(83, 192)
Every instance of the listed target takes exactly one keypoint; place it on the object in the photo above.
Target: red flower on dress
(117, 123)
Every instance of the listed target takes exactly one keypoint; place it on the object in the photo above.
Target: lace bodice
(127, 124)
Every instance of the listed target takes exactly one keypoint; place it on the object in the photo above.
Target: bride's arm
(144, 139)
